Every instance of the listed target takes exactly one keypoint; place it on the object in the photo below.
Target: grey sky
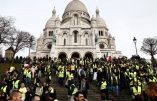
(124, 18)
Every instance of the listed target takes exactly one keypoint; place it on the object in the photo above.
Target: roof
(10, 49)
(75, 5)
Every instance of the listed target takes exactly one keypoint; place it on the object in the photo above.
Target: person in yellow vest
(39, 89)
(136, 90)
(4, 88)
(152, 78)
(52, 94)
(70, 77)
(12, 68)
(25, 72)
(103, 89)
(28, 77)
(72, 90)
(51, 90)
(4, 91)
(23, 91)
(61, 77)
(15, 83)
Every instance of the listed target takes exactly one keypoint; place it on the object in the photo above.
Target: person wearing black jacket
(84, 86)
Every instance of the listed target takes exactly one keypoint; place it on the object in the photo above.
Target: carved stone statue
(96, 38)
(53, 39)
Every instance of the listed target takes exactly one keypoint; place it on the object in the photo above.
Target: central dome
(75, 5)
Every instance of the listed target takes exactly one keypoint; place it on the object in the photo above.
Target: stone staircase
(93, 93)
(123, 96)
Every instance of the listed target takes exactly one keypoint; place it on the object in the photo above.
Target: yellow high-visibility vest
(154, 79)
(70, 76)
(72, 67)
(23, 92)
(131, 83)
(103, 85)
(75, 89)
(28, 74)
(12, 68)
(25, 72)
(94, 66)
(61, 74)
(4, 89)
(15, 84)
(134, 90)
(52, 90)
(139, 90)
(50, 77)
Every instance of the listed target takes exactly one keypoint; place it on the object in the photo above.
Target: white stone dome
(75, 5)
(100, 22)
(51, 21)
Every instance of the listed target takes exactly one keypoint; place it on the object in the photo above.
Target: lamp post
(135, 40)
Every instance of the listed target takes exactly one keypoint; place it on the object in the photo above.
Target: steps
(93, 93)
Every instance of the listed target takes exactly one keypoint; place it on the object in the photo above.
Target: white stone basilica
(76, 35)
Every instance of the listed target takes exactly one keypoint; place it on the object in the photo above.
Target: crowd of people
(109, 76)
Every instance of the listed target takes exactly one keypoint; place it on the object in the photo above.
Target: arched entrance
(62, 55)
(75, 55)
(88, 55)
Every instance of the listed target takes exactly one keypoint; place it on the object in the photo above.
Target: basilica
(76, 35)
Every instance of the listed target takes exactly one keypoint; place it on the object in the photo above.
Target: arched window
(75, 19)
(75, 36)
(64, 42)
(50, 33)
(99, 33)
(101, 46)
(49, 46)
(102, 33)
(64, 33)
(86, 41)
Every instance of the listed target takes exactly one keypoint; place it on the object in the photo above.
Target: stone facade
(9, 53)
(76, 35)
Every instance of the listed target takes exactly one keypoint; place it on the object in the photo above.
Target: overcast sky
(125, 19)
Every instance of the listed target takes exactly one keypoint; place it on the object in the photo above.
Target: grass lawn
(4, 66)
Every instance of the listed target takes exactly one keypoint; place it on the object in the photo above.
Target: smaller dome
(100, 22)
(76, 5)
(50, 22)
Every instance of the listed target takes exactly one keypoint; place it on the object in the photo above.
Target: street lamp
(135, 40)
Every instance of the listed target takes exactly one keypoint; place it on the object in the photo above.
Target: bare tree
(150, 47)
(32, 43)
(21, 40)
(6, 29)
